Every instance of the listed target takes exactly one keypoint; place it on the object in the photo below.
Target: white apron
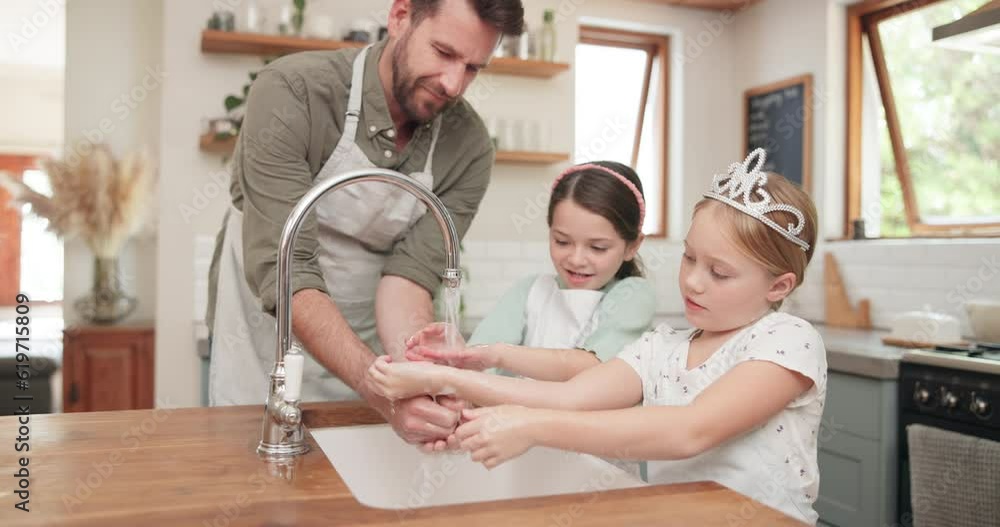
(564, 319)
(356, 228)
(559, 318)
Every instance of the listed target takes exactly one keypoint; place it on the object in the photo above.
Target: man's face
(435, 61)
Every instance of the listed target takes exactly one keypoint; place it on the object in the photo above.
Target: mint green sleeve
(626, 312)
(505, 323)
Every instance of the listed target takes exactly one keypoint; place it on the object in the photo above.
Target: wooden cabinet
(107, 368)
(857, 452)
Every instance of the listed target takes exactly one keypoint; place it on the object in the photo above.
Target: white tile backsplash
(896, 276)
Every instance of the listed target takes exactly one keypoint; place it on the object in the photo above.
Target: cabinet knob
(949, 400)
(979, 406)
(921, 395)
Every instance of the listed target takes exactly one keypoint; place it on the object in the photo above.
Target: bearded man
(369, 259)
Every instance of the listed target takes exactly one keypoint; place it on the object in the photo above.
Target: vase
(107, 303)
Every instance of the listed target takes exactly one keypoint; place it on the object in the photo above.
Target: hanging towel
(954, 478)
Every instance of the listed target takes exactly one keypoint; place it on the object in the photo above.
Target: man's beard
(405, 86)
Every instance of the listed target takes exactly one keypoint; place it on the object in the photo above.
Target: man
(366, 263)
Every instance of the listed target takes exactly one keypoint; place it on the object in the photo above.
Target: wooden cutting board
(839, 312)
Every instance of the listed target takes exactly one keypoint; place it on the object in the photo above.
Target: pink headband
(631, 186)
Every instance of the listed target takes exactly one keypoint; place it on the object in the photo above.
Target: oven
(952, 390)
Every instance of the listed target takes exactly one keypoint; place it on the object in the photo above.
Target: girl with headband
(553, 326)
(736, 399)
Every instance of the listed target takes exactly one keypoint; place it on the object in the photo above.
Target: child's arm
(746, 397)
(613, 384)
(430, 344)
(542, 363)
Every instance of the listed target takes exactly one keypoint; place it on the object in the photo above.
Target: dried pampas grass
(97, 198)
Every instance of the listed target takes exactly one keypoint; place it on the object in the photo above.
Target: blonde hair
(763, 244)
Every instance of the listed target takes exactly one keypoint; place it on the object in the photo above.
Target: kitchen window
(923, 156)
(27, 243)
(621, 109)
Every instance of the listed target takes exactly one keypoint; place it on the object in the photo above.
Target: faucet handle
(294, 363)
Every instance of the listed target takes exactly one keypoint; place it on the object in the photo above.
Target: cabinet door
(111, 371)
(848, 487)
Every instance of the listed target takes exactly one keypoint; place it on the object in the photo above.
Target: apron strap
(354, 100)
(434, 139)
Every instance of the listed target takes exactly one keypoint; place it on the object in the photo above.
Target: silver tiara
(738, 187)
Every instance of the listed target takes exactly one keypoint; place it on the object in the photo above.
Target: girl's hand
(493, 435)
(443, 343)
(476, 358)
(402, 380)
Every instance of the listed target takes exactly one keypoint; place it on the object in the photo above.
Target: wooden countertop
(199, 467)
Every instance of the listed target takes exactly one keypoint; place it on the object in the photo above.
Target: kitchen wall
(31, 77)
(715, 57)
(196, 177)
(114, 75)
(756, 47)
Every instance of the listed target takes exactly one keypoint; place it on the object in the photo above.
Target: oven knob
(949, 400)
(979, 407)
(921, 395)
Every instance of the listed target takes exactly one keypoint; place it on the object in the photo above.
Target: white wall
(716, 57)
(193, 203)
(113, 79)
(32, 54)
(194, 175)
(753, 48)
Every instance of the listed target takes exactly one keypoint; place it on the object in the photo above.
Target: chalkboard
(778, 118)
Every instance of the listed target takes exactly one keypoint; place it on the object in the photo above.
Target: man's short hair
(507, 16)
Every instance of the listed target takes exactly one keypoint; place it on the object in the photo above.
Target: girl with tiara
(737, 399)
(553, 326)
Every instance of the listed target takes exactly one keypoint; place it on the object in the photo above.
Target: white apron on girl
(356, 227)
(559, 318)
(563, 319)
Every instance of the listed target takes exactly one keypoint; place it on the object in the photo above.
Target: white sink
(384, 472)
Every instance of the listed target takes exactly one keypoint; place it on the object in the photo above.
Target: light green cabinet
(857, 452)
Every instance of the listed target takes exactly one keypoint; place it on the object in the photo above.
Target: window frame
(863, 20)
(656, 47)
(10, 264)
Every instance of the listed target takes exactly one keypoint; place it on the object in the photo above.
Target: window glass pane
(41, 250)
(607, 112)
(607, 115)
(947, 101)
(651, 143)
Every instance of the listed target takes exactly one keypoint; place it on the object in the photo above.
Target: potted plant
(101, 200)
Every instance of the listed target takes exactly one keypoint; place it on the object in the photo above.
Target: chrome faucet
(282, 435)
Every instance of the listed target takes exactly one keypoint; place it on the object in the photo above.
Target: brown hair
(763, 244)
(604, 195)
(506, 16)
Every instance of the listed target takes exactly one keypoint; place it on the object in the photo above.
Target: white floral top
(775, 463)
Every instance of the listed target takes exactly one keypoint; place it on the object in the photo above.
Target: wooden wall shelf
(231, 42)
(525, 68)
(209, 143)
(213, 41)
(531, 158)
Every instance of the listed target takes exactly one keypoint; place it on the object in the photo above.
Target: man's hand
(420, 420)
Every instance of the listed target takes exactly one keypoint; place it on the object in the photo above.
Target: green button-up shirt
(294, 118)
